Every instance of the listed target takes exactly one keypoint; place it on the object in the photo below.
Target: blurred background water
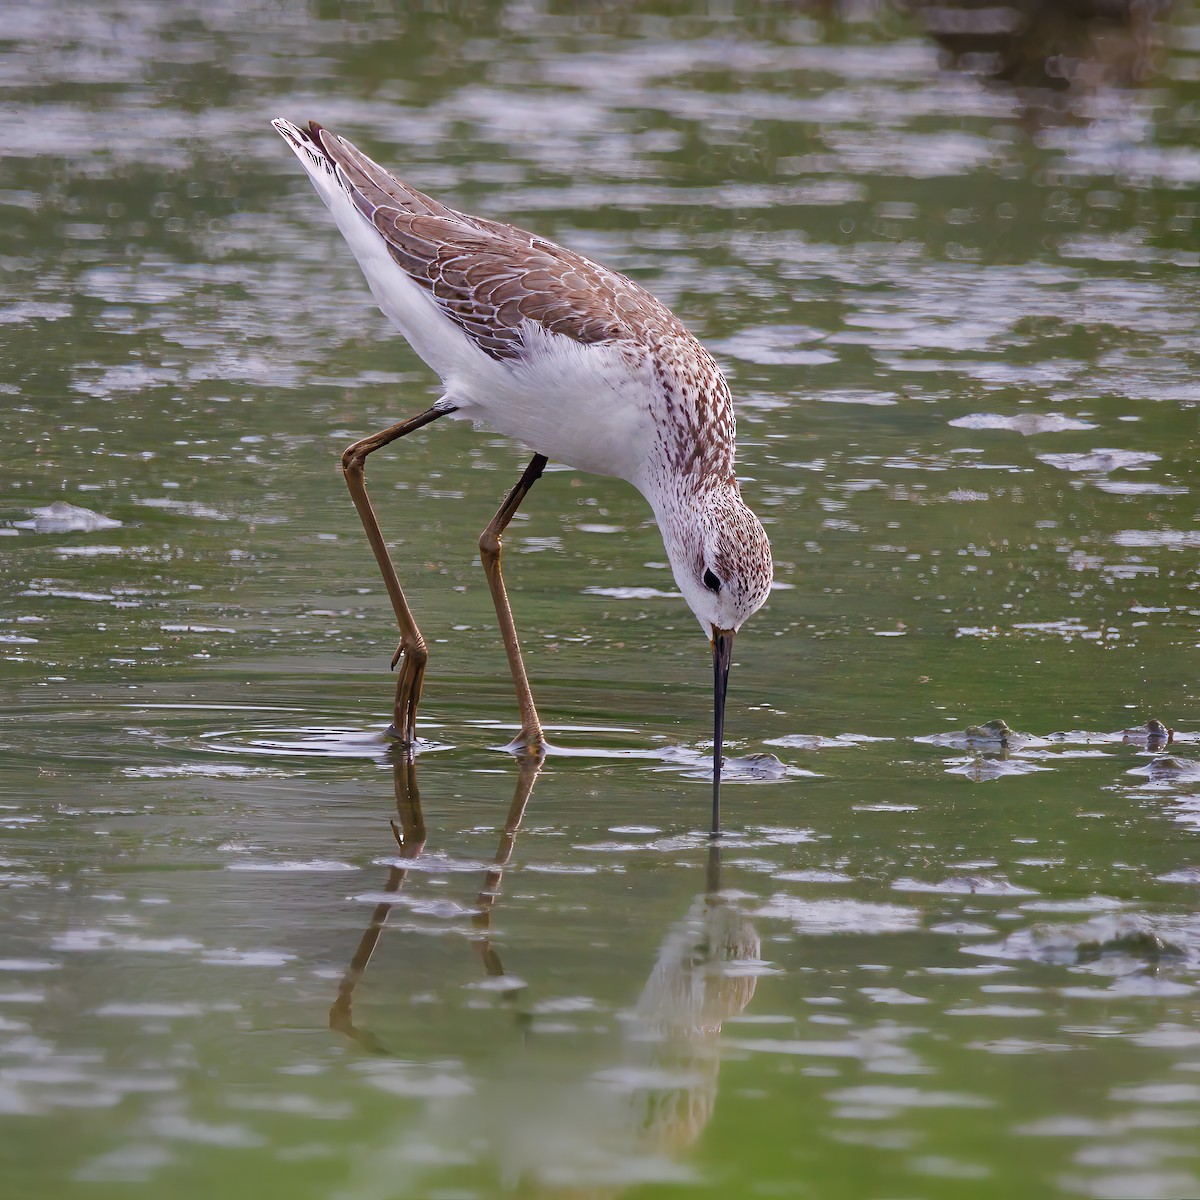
(948, 256)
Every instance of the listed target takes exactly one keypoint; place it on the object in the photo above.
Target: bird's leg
(412, 653)
(530, 739)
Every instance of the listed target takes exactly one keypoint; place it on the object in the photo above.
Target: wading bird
(575, 361)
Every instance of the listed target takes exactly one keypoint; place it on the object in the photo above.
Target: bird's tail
(324, 154)
(305, 142)
(321, 168)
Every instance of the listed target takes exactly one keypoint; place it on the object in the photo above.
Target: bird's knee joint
(489, 545)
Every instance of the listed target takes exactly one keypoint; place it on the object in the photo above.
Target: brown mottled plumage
(489, 277)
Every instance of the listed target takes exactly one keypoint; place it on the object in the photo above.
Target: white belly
(581, 405)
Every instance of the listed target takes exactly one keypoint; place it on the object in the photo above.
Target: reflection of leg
(529, 770)
(531, 737)
(410, 835)
(412, 653)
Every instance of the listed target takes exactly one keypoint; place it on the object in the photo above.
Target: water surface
(959, 319)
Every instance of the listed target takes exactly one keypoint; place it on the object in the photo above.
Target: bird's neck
(690, 446)
(682, 474)
(680, 501)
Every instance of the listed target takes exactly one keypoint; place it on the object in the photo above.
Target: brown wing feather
(488, 277)
(370, 186)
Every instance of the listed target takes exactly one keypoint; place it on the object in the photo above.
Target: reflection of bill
(549, 1131)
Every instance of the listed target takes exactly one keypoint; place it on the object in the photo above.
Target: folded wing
(491, 278)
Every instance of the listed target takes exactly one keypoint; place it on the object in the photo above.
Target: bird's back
(487, 276)
(531, 339)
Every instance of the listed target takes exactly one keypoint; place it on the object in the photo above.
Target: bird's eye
(711, 581)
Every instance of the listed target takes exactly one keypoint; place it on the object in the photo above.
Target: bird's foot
(529, 744)
(408, 694)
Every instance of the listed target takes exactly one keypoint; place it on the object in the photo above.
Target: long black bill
(722, 644)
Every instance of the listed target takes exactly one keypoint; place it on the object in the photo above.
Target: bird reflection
(626, 1117)
(410, 834)
(702, 977)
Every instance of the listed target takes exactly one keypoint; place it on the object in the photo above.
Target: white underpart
(577, 404)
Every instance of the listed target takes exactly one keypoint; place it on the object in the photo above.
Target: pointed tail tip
(286, 129)
(297, 133)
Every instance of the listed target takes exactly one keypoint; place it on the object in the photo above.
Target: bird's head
(722, 563)
(721, 560)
